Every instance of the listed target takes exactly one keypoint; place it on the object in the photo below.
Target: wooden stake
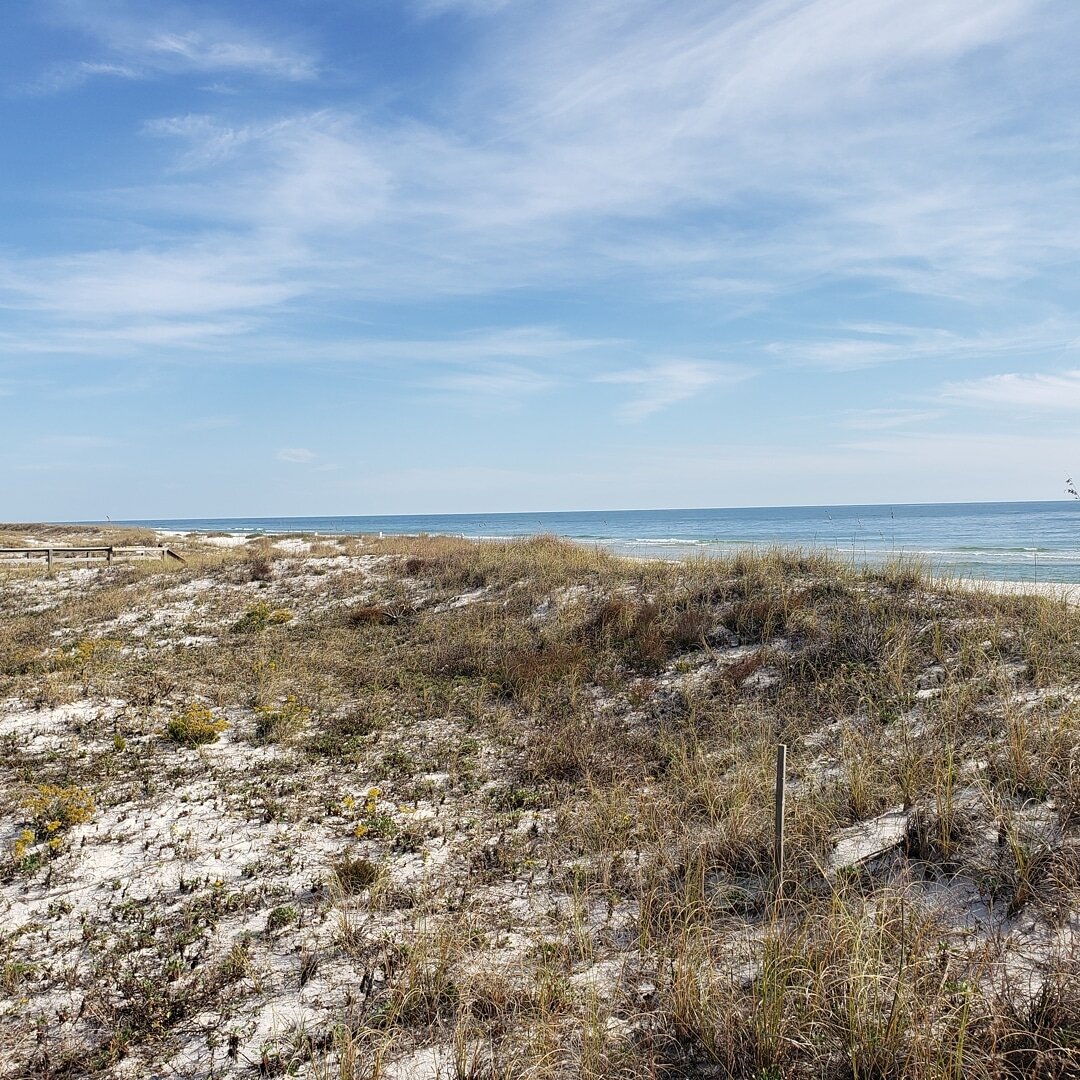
(778, 852)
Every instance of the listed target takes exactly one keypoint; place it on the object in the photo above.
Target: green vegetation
(195, 726)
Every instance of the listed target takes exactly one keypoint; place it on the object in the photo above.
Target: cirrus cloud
(1057, 391)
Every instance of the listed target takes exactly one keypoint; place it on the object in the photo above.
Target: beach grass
(392, 807)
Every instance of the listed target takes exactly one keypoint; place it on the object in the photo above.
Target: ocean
(1017, 541)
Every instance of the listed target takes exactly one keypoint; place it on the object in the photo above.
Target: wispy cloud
(60, 77)
(668, 382)
(855, 347)
(200, 50)
(539, 176)
(598, 194)
(1058, 392)
(144, 41)
(196, 280)
(298, 455)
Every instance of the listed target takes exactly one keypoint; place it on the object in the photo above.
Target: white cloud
(870, 345)
(296, 454)
(60, 77)
(1059, 391)
(668, 382)
(211, 142)
(199, 50)
(582, 117)
(195, 279)
(167, 38)
(735, 152)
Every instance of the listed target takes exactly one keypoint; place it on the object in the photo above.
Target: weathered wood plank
(88, 552)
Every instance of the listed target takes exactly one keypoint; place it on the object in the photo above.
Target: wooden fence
(89, 554)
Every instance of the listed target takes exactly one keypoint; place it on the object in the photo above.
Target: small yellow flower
(55, 844)
(361, 831)
(348, 802)
(22, 845)
(52, 826)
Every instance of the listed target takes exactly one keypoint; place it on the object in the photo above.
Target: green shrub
(259, 617)
(195, 726)
(53, 808)
(280, 917)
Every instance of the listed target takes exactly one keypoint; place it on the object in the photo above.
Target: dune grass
(503, 809)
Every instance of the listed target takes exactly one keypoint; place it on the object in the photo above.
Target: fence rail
(88, 554)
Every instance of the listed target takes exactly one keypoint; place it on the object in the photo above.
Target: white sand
(1055, 590)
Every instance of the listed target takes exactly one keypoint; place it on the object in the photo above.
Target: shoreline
(1057, 590)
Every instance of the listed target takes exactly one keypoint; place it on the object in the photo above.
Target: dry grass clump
(280, 723)
(355, 873)
(503, 809)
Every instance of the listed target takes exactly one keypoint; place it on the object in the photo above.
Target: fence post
(778, 851)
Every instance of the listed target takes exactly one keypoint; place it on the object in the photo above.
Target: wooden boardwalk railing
(88, 554)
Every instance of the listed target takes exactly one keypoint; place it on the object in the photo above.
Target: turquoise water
(1025, 541)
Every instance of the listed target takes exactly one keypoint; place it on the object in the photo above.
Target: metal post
(778, 852)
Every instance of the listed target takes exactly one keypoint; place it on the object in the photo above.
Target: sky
(434, 256)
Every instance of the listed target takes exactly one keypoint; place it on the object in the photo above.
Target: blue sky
(339, 257)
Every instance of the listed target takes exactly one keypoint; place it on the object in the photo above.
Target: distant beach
(1029, 542)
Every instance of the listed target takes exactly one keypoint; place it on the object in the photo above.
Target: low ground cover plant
(195, 726)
